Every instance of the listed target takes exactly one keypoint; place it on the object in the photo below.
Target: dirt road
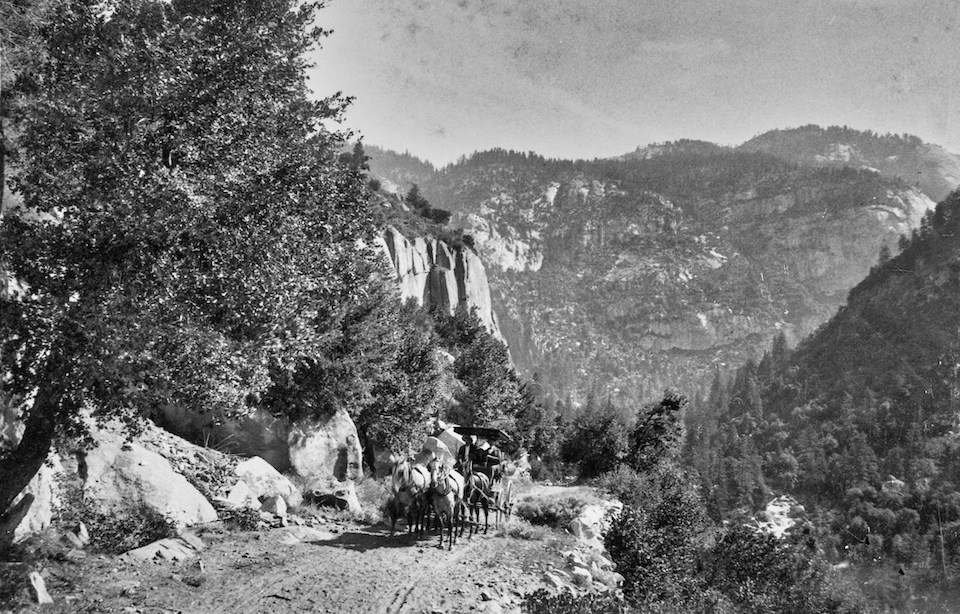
(329, 568)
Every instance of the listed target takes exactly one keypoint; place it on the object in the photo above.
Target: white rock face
(504, 248)
(327, 448)
(432, 273)
(127, 475)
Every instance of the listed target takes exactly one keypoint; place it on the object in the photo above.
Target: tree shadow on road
(375, 537)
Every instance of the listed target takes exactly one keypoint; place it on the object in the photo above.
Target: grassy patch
(519, 528)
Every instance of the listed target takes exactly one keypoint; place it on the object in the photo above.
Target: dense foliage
(860, 420)
(673, 556)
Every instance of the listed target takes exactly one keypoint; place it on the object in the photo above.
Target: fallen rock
(75, 555)
(296, 535)
(593, 521)
(195, 542)
(582, 577)
(73, 540)
(552, 580)
(275, 505)
(82, 533)
(170, 549)
(492, 607)
(265, 481)
(39, 588)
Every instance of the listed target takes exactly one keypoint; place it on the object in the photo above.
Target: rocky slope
(625, 276)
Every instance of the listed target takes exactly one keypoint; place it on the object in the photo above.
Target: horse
(478, 493)
(446, 495)
(409, 483)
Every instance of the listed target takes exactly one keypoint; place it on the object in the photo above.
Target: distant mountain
(673, 148)
(622, 277)
(934, 170)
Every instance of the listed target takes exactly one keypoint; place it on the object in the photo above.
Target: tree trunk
(12, 519)
(19, 466)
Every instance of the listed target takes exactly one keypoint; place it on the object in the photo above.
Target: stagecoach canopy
(483, 432)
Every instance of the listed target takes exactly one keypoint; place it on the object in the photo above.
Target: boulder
(327, 448)
(552, 580)
(330, 492)
(582, 577)
(265, 481)
(241, 495)
(125, 475)
(169, 549)
(39, 588)
(275, 505)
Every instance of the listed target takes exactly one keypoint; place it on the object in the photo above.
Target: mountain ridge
(621, 277)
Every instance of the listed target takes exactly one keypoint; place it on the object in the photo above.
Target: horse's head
(438, 473)
(401, 474)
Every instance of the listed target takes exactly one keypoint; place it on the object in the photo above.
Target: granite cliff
(434, 274)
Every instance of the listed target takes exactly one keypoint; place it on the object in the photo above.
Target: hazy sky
(596, 78)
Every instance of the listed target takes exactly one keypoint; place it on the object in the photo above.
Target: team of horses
(454, 500)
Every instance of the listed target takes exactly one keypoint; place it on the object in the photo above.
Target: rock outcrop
(438, 275)
(328, 448)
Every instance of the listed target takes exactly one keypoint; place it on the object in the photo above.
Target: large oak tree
(186, 224)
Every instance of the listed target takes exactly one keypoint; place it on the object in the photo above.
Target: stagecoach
(499, 471)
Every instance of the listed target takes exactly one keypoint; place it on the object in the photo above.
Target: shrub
(556, 512)
(656, 539)
(624, 484)
(519, 528)
(240, 518)
(565, 602)
(116, 530)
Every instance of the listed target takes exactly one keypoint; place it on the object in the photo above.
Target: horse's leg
(452, 517)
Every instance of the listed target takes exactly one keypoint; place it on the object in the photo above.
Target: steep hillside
(862, 419)
(625, 276)
(930, 167)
